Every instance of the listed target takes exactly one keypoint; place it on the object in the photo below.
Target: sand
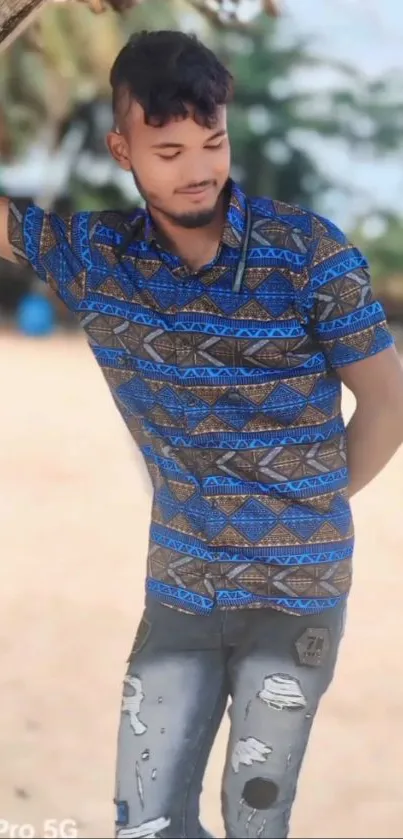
(74, 518)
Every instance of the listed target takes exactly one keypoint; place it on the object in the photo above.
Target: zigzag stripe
(205, 325)
(207, 375)
(226, 599)
(300, 555)
(305, 488)
(356, 321)
(328, 271)
(232, 440)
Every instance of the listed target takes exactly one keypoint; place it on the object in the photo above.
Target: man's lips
(195, 190)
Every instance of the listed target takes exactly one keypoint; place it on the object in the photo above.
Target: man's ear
(118, 149)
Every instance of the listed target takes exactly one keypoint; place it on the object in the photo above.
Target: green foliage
(384, 252)
(272, 123)
(63, 59)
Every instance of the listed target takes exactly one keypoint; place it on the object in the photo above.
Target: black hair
(170, 73)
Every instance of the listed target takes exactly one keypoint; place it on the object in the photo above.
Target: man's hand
(5, 247)
(375, 431)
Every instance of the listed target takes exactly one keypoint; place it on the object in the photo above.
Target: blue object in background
(35, 315)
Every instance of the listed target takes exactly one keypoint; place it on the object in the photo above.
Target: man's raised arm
(57, 248)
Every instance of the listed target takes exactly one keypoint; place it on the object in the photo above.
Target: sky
(367, 32)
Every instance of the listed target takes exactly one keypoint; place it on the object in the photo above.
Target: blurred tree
(274, 125)
(55, 79)
(381, 239)
(16, 15)
(63, 57)
(54, 88)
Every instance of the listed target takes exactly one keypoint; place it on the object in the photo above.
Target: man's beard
(190, 221)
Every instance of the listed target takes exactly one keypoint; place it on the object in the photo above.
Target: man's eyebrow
(167, 146)
(221, 133)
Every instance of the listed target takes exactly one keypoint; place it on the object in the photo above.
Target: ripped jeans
(182, 670)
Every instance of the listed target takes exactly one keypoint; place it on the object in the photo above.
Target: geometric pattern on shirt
(195, 349)
(272, 465)
(231, 396)
(281, 405)
(253, 523)
(311, 581)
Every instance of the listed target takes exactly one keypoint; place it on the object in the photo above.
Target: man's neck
(197, 247)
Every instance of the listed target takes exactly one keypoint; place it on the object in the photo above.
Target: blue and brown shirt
(232, 395)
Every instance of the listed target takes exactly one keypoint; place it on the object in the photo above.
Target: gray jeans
(181, 672)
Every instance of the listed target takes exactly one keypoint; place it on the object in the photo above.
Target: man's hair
(170, 73)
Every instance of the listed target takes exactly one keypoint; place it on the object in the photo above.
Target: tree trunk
(15, 16)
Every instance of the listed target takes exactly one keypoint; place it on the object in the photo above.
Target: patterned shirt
(231, 395)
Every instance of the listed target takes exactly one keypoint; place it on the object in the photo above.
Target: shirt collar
(235, 222)
(234, 225)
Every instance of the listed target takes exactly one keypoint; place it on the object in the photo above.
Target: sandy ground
(74, 518)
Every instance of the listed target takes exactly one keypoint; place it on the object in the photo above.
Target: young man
(224, 327)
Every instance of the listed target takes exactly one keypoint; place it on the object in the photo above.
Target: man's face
(179, 169)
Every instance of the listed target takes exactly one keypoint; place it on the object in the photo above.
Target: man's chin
(193, 220)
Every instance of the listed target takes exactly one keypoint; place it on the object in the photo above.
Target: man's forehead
(176, 129)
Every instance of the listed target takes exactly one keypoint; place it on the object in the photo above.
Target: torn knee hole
(260, 793)
(282, 692)
(145, 830)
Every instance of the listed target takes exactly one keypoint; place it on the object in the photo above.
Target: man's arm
(6, 251)
(58, 249)
(351, 328)
(375, 431)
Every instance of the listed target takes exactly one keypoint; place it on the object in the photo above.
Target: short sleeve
(55, 247)
(348, 322)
